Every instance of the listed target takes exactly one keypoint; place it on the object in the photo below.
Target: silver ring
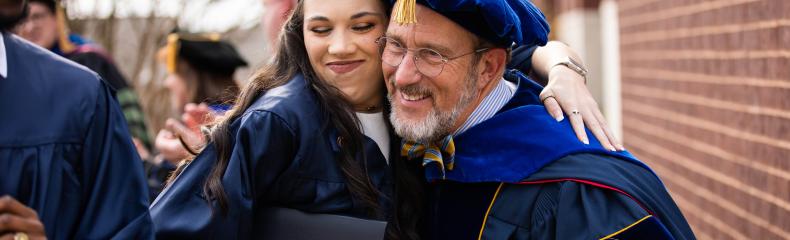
(575, 112)
(547, 97)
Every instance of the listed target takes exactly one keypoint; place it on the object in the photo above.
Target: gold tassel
(172, 52)
(65, 45)
(214, 37)
(406, 12)
(201, 37)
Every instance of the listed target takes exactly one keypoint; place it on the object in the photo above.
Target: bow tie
(441, 153)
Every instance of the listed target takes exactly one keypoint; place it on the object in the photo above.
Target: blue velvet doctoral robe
(284, 155)
(522, 175)
(65, 149)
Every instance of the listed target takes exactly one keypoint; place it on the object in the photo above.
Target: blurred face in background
(340, 38)
(177, 84)
(40, 27)
(275, 13)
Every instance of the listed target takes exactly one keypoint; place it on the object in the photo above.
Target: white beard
(437, 124)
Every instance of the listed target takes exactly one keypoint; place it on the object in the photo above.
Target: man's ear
(492, 66)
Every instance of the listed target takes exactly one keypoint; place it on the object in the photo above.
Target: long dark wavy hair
(290, 60)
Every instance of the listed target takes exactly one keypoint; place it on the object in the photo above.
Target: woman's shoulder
(294, 102)
(296, 92)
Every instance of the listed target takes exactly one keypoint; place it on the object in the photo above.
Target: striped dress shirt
(495, 100)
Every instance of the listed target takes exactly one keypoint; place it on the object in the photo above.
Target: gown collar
(517, 142)
(3, 58)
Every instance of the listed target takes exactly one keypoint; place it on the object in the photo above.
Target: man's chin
(410, 119)
(414, 129)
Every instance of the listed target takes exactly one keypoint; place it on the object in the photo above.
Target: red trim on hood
(591, 183)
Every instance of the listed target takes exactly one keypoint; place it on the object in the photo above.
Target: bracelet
(573, 65)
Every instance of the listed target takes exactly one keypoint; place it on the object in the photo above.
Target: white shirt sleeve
(3, 60)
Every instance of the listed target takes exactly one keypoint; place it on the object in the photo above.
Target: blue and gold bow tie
(442, 154)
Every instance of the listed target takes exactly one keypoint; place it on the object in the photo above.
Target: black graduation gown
(65, 150)
(283, 156)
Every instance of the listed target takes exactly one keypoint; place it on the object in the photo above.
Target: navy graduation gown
(283, 156)
(532, 179)
(65, 150)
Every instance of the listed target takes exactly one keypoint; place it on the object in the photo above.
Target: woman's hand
(169, 145)
(18, 220)
(196, 116)
(168, 141)
(566, 92)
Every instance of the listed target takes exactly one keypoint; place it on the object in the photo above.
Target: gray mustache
(415, 90)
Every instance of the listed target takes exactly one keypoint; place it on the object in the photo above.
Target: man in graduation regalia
(68, 168)
(497, 165)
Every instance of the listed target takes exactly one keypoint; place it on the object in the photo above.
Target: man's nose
(407, 72)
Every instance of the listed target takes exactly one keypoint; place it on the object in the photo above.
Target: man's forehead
(401, 30)
(431, 29)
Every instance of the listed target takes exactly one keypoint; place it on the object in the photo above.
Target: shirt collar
(490, 105)
(3, 57)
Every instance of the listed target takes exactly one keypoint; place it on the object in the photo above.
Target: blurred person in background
(47, 27)
(201, 85)
(68, 167)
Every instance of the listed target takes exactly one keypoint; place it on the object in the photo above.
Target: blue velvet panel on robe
(65, 149)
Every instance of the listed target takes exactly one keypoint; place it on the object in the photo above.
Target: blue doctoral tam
(502, 22)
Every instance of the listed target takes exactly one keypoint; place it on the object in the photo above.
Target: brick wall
(706, 102)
